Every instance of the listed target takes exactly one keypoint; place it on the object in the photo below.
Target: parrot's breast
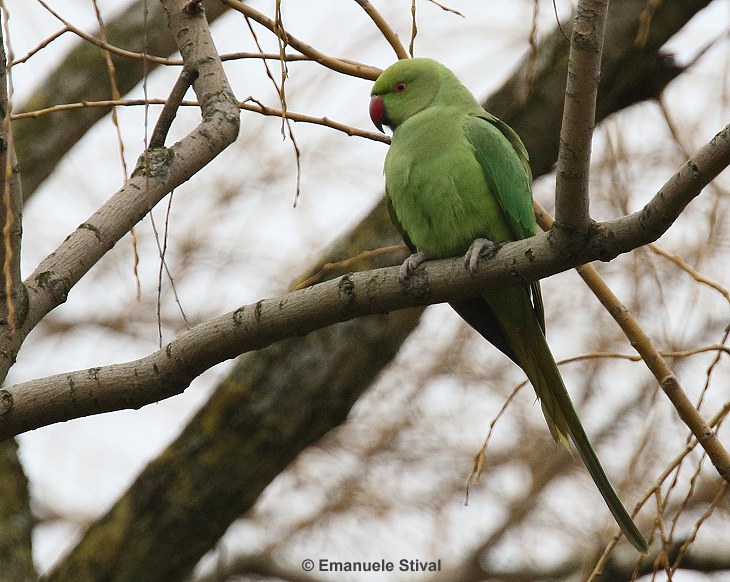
(437, 187)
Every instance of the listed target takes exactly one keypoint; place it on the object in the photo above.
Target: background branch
(16, 520)
(247, 105)
(102, 44)
(652, 358)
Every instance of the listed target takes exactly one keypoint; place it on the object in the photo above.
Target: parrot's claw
(476, 249)
(410, 265)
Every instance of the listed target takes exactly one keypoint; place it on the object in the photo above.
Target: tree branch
(385, 28)
(16, 519)
(43, 142)
(90, 38)
(13, 297)
(579, 117)
(653, 359)
(158, 172)
(339, 65)
(170, 107)
(169, 371)
(246, 104)
(664, 375)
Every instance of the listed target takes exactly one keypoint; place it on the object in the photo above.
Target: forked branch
(158, 172)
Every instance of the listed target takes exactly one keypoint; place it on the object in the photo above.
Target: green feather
(455, 173)
(509, 178)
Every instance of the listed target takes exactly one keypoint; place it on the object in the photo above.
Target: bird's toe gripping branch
(479, 247)
(410, 265)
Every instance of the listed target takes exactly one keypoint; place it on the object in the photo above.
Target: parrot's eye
(400, 87)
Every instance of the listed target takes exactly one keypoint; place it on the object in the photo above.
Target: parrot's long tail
(533, 353)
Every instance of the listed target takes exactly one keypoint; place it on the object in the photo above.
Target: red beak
(377, 112)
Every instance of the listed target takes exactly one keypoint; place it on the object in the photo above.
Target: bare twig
(692, 272)
(43, 44)
(105, 103)
(480, 459)
(178, 62)
(446, 8)
(385, 28)
(719, 497)
(248, 105)
(115, 93)
(101, 43)
(719, 349)
(286, 126)
(714, 422)
(340, 65)
(713, 365)
(414, 29)
(347, 264)
(251, 105)
(127, 54)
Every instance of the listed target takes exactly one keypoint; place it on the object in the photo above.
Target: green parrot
(457, 181)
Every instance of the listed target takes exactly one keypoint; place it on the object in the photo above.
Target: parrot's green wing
(509, 179)
(397, 224)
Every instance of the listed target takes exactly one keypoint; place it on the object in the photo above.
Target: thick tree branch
(579, 117)
(169, 371)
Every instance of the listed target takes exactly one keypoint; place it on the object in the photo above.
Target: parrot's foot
(410, 265)
(479, 246)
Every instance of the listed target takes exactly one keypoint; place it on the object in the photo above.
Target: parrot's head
(403, 89)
